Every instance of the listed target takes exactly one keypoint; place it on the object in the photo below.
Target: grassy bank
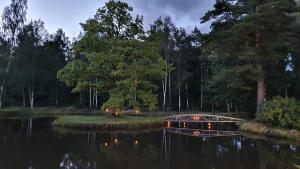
(108, 122)
(262, 129)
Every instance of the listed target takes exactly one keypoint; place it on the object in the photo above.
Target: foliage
(114, 63)
(126, 67)
(246, 38)
(281, 112)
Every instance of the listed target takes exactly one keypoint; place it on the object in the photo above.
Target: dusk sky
(67, 14)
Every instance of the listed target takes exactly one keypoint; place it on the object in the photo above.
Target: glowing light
(168, 124)
(209, 125)
(105, 144)
(136, 112)
(184, 125)
(116, 141)
(196, 118)
(106, 110)
(136, 142)
(196, 133)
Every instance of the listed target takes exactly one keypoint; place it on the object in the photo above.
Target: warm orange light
(196, 118)
(196, 133)
(168, 124)
(209, 125)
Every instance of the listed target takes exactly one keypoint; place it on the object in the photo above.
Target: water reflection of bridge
(207, 123)
(201, 133)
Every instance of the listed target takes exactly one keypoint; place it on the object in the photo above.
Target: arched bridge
(192, 123)
(202, 118)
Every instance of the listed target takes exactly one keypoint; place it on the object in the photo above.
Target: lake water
(33, 144)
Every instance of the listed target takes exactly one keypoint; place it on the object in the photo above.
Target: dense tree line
(30, 59)
(250, 55)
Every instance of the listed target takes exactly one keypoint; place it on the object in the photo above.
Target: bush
(281, 112)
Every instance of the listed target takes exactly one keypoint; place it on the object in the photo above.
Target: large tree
(250, 35)
(121, 62)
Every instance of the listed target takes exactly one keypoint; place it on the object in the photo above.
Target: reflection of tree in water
(21, 148)
(121, 153)
(277, 156)
(134, 157)
(70, 163)
(183, 152)
(230, 153)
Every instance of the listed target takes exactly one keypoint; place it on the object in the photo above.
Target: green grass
(262, 129)
(108, 122)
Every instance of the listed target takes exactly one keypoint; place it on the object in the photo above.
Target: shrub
(281, 112)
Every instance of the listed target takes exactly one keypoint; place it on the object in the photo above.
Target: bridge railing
(201, 118)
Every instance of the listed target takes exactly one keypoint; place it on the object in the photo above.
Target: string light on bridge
(168, 124)
(209, 125)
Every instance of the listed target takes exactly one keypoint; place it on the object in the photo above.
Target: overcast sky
(67, 14)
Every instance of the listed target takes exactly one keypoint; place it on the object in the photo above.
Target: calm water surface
(33, 144)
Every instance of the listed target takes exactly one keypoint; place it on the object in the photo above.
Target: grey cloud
(185, 13)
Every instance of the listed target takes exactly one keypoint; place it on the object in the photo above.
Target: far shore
(87, 119)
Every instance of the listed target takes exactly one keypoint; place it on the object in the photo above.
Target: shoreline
(261, 129)
(108, 122)
(86, 119)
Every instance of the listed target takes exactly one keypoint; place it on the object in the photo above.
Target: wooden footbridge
(202, 125)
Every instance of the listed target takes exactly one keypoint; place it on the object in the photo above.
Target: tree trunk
(261, 160)
(1, 94)
(201, 88)
(24, 97)
(187, 97)
(260, 94)
(96, 95)
(170, 93)
(179, 97)
(56, 93)
(228, 107)
(96, 100)
(31, 97)
(179, 88)
(212, 106)
(260, 81)
(164, 86)
(80, 99)
(212, 103)
(90, 97)
(260, 89)
(179, 100)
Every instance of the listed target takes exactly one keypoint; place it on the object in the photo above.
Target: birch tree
(13, 19)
